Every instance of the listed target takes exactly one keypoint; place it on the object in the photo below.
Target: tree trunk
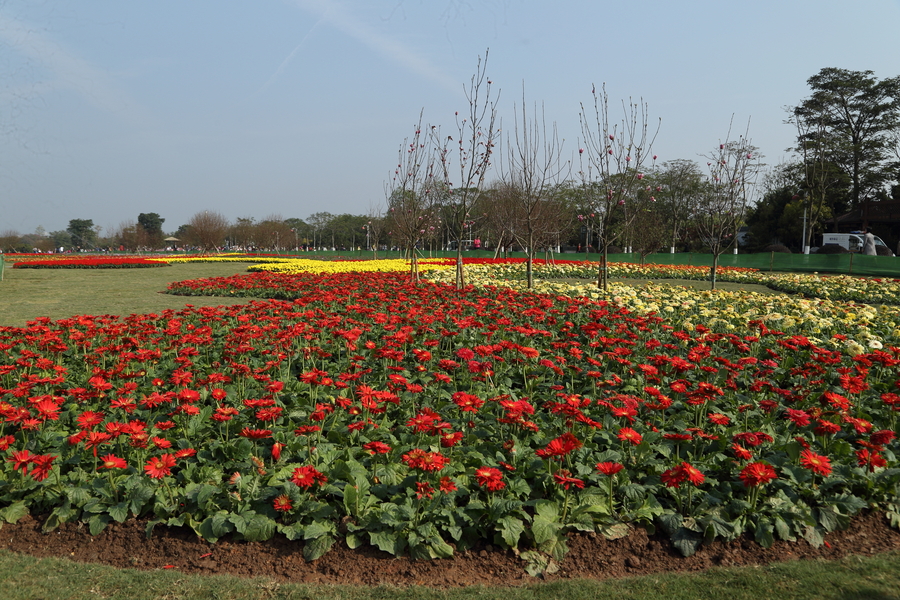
(460, 272)
(529, 264)
(712, 271)
(603, 272)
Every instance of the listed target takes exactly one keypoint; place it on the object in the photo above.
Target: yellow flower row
(724, 311)
(302, 265)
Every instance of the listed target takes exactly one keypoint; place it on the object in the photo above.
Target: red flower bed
(415, 417)
(91, 262)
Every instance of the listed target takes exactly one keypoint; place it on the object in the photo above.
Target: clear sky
(112, 108)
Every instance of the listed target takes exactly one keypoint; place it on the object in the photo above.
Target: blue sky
(289, 107)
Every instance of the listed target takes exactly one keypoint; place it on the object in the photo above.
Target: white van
(851, 241)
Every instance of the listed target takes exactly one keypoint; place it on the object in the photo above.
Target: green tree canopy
(151, 223)
(850, 120)
(82, 233)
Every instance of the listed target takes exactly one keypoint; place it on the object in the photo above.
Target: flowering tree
(473, 147)
(612, 162)
(719, 211)
(413, 195)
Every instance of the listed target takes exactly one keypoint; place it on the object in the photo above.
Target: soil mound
(590, 555)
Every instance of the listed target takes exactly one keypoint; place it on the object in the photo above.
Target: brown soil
(590, 556)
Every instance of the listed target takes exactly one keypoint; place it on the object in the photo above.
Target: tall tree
(849, 117)
(243, 232)
(151, 223)
(83, 233)
(320, 223)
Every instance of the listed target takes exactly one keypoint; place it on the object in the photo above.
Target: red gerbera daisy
(158, 467)
(757, 473)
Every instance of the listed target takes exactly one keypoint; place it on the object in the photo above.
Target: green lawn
(26, 294)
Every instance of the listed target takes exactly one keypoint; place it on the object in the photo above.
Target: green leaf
(78, 495)
(763, 533)
(317, 529)
(783, 530)
(387, 541)
(138, 496)
(15, 511)
(547, 509)
(98, 523)
(615, 531)
(355, 539)
(215, 526)
(204, 494)
(259, 528)
(544, 530)
(813, 536)
(317, 547)
(537, 564)
(671, 523)
(848, 504)
(119, 512)
(351, 497)
(714, 526)
(441, 549)
(686, 541)
(511, 530)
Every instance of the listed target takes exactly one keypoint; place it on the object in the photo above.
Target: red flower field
(360, 411)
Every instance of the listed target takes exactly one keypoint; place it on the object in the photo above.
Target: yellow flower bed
(724, 311)
(302, 265)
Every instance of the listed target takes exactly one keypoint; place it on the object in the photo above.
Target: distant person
(868, 243)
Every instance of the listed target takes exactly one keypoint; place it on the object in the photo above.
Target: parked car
(854, 242)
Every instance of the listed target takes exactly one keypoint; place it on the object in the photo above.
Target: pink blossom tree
(613, 158)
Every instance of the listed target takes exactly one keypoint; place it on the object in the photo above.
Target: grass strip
(853, 578)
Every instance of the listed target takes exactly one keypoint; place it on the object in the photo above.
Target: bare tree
(719, 212)
(9, 240)
(612, 162)
(207, 230)
(497, 207)
(243, 232)
(273, 232)
(473, 148)
(130, 236)
(532, 170)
